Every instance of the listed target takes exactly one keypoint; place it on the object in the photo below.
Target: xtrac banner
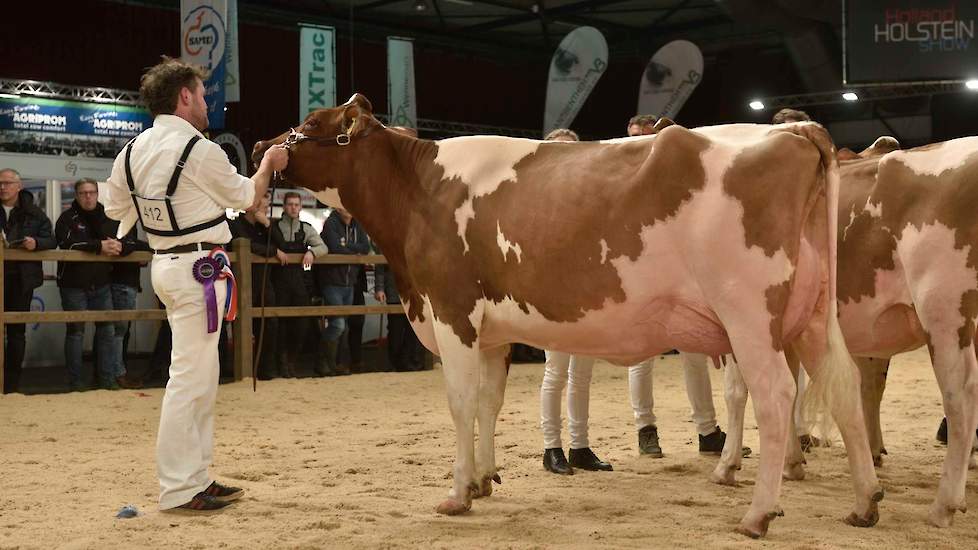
(203, 43)
(317, 69)
(401, 102)
(578, 63)
(909, 40)
(670, 77)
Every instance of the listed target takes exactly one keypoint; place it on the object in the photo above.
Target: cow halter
(296, 138)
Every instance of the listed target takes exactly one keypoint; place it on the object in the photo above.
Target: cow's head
(322, 148)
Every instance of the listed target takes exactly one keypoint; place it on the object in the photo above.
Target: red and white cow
(908, 277)
(714, 240)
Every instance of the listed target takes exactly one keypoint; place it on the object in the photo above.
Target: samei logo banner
(910, 40)
(670, 78)
(203, 43)
(575, 68)
(70, 117)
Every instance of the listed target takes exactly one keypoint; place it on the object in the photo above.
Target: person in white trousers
(700, 392)
(574, 372)
(178, 185)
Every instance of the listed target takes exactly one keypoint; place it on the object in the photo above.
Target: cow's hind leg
(461, 364)
(735, 395)
(794, 461)
(957, 376)
(769, 381)
(492, 388)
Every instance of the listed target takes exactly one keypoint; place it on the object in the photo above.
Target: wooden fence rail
(241, 262)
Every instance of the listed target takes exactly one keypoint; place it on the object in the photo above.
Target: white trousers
(185, 442)
(696, 371)
(574, 372)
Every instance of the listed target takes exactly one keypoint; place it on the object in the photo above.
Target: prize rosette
(207, 270)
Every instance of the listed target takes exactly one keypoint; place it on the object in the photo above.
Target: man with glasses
(25, 226)
(84, 286)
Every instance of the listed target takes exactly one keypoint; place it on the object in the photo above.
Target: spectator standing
(124, 285)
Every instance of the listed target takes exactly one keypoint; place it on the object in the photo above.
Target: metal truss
(865, 93)
(52, 90)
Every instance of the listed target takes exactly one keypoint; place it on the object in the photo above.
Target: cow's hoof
(872, 516)
(452, 507)
(759, 529)
(943, 516)
(484, 488)
(794, 472)
(724, 475)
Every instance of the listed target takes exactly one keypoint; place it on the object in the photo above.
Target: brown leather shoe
(128, 384)
(223, 493)
(201, 505)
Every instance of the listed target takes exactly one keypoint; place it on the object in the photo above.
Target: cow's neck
(383, 192)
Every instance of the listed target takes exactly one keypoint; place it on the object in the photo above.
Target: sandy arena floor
(361, 462)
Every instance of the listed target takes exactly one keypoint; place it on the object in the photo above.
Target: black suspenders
(171, 188)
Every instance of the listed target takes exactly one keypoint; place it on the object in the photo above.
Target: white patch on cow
(937, 291)
(424, 329)
(482, 163)
(604, 250)
(932, 162)
(506, 246)
(875, 210)
(626, 139)
(885, 141)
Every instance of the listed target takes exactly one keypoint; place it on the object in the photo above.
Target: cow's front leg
(461, 368)
(735, 395)
(872, 372)
(491, 391)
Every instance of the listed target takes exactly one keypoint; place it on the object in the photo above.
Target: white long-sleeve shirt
(208, 185)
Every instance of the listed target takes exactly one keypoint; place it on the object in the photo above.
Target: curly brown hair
(160, 85)
(789, 115)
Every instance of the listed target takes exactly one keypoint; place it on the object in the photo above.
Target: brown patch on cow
(777, 300)
(864, 244)
(625, 186)
(760, 182)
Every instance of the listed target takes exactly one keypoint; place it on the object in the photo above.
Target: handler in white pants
(178, 185)
(574, 372)
(698, 389)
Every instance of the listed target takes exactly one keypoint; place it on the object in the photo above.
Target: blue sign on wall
(70, 117)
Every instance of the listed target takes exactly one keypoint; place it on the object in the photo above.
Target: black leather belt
(184, 248)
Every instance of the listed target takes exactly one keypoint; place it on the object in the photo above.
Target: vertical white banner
(232, 77)
(317, 68)
(401, 102)
(670, 77)
(578, 63)
(202, 43)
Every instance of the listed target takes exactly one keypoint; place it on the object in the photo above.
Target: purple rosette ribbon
(206, 272)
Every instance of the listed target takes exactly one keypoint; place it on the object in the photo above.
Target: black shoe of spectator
(942, 432)
(712, 444)
(648, 442)
(585, 459)
(127, 384)
(808, 441)
(555, 461)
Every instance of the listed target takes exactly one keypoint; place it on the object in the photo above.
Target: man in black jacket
(342, 235)
(24, 226)
(85, 285)
(254, 226)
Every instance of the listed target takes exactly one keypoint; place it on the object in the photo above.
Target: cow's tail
(835, 384)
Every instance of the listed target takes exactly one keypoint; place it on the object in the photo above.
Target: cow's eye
(312, 123)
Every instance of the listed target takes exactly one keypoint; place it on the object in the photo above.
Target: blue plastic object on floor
(127, 511)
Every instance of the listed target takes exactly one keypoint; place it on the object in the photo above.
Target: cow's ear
(354, 112)
(662, 123)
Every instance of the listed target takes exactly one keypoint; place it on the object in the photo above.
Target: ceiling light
(756, 105)
(972, 84)
(419, 5)
(850, 96)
